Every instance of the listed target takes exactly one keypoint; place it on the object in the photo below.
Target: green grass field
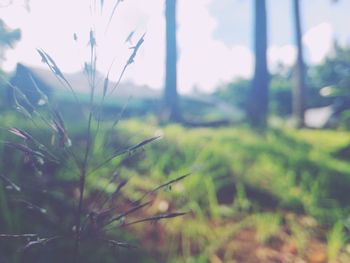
(251, 196)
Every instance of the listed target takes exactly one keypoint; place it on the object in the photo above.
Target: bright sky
(214, 36)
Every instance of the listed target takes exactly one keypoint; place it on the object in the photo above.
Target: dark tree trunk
(299, 91)
(258, 100)
(171, 111)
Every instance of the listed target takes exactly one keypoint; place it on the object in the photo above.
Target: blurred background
(251, 97)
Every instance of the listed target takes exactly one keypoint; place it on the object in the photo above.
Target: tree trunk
(171, 111)
(299, 91)
(258, 100)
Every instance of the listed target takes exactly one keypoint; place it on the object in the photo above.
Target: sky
(214, 36)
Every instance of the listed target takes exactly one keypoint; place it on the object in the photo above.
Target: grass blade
(157, 218)
(119, 244)
(24, 148)
(12, 184)
(128, 212)
(129, 37)
(143, 143)
(18, 236)
(26, 136)
(124, 151)
(43, 97)
(114, 194)
(39, 241)
(112, 14)
(163, 185)
(32, 206)
(48, 60)
(130, 60)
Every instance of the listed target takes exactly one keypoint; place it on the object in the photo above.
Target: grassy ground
(255, 197)
(278, 196)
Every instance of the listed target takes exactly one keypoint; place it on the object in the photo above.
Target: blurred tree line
(8, 38)
(288, 92)
(328, 82)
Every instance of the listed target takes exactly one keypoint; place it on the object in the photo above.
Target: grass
(68, 209)
(279, 169)
(267, 225)
(241, 181)
(236, 173)
(335, 241)
(277, 172)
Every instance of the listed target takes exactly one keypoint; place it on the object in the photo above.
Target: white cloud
(204, 61)
(318, 41)
(281, 54)
(49, 25)
(144, 17)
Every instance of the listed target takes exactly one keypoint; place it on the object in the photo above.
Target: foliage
(8, 37)
(290, 166)
(334, 72)
(66, 215)
(235, 93)
(335, 240)
(36, 198)
(240, 173)
(267, 225)
(329, 81)
(265, 186)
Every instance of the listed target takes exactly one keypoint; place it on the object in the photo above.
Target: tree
(234, 93)
(171, 111)
(7, 37)
(299, 89)
(332, 78)
(258, 99)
